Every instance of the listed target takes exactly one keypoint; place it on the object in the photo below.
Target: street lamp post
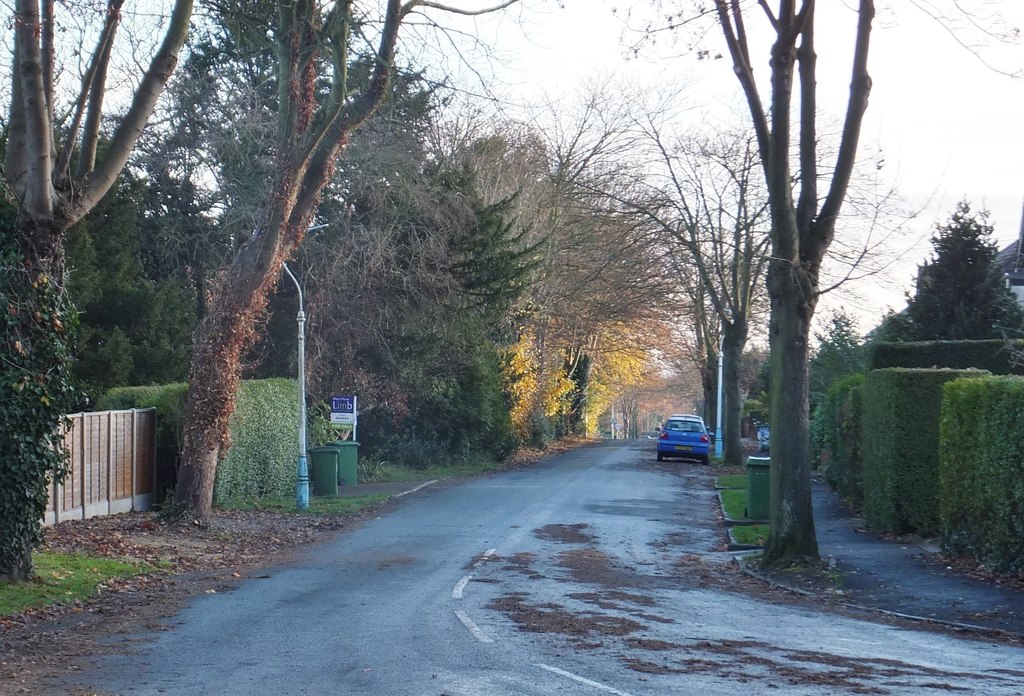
(718, 417)
(302, 486)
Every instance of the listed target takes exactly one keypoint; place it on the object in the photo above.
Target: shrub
(264, 437)
(900, 447)
(996, 356)
(836, 436)
(981, 470)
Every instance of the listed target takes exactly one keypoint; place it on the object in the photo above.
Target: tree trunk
(735, 338)
(35, 374)
(709, 385)
(792, 534)
(224, 335)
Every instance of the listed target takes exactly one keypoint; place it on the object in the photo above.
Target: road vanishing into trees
(590, 573)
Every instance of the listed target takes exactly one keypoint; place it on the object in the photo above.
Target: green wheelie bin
(325, 470)
(348, 460)
(758, 487)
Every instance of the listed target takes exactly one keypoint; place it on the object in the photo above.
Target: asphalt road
(559, 579)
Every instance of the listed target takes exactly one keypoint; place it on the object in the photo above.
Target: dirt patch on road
(565, 533)
(554, 618)
(594, 567)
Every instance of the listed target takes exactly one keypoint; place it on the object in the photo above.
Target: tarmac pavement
(908, 577)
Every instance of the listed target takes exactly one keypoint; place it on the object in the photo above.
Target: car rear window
(684, 426)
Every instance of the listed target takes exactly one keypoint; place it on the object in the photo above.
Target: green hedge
(264, 434)
(900, 447)
(836, 437)
(982, 470)
(996, 356)
(169, 402)
(264, 442)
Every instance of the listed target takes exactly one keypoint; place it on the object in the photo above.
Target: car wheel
(704, 460)
(661, 457)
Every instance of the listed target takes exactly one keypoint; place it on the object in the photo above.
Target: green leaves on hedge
(900, 447)
(981, 469)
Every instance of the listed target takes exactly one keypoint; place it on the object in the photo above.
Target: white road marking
(582, 680)
(473, 628)
(460, 586)
(422, 485)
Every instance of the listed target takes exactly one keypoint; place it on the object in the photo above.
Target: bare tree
(706, 204)
(56, 172)
(314, 43)
(803, 226)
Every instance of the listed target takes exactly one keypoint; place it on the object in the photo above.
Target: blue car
(684, 436)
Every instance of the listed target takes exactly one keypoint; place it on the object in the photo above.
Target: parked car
(686, 436)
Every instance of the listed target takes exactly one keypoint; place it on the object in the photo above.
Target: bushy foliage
(447, 417)
(981, 470)
(836, 437)
(840, 352)
(134, 329)
(997, 356)
(36, 389)
(960, 291)
(264, 434)
(900, 447)
(264, 442)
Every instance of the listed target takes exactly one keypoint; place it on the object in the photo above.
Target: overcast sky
(948, 125)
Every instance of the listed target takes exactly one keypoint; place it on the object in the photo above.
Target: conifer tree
(960, 291)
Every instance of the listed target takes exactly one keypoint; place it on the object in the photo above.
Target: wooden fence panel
(111, 465)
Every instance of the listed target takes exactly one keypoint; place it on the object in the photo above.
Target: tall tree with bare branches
(804, 205)
(705, 204)
(315, 45)
(56, 172)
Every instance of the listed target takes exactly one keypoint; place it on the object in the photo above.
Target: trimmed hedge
(836, 437)
(996, 356)
(981, 469)
(264, 434)
(900, 447)
(264, 442)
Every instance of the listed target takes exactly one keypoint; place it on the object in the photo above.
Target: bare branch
(413, 4)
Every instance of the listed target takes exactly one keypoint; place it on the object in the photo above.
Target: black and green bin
(348, 461)
(758, 487)
(325, 470)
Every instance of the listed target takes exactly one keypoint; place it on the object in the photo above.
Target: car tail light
(664, 435)
(704, 438)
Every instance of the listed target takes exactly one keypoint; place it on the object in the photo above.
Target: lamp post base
(302, 487)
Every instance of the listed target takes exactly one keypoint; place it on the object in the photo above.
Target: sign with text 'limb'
(345, 413)
(343, 410)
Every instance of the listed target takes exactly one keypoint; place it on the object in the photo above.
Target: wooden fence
(111, 468)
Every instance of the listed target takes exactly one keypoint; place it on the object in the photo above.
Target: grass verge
(65, 578)
(732, 481)
(750, 535)
(318, 505)
(734, 501)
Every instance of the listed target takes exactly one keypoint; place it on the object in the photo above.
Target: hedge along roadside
(997, 356)
(982, 470)
(900, 447)
(836, 436)
(264, 433)
(264, 442)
